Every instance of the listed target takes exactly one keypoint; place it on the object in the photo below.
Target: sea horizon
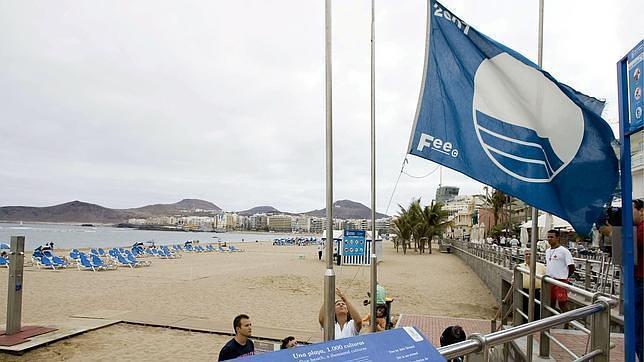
(73, 235)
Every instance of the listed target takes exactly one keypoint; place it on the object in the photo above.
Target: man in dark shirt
(240, 345)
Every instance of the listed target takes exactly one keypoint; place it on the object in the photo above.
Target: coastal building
(258, 222)
(136, 221)
(382, 225)
(317, 225)
(162, 220)
(446, 193)
(356, 224)
(301, 223)
(461, 213)
(280, 223)
(515, 213)
(196, 223)
(226, 221)
(243, 222)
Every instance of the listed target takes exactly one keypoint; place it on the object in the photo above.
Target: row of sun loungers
(209, 248)
(99, 259)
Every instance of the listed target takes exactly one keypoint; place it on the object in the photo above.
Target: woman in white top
(347, 318)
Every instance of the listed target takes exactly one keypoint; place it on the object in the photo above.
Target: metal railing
(598, 345)
(597, 307)
(596, 275)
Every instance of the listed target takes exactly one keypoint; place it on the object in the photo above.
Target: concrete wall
(491, 274)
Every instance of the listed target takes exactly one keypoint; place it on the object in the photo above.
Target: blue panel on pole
(354, 243)
(635, 66)
(401, 344)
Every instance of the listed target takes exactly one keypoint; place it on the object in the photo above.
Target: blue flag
(490, 113)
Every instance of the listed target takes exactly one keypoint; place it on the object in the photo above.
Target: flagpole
(373, 258)
(535, 214)
(329, 274)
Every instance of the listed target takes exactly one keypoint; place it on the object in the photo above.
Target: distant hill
(75, 211)
(83, 212)
(170, 209)
(260, 210)
(347, 209)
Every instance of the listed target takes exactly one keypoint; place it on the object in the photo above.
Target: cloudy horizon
(125, 104)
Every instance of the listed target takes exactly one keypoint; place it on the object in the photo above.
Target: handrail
(508, 257)
(554, 281)
(478, 342)
(598, 345)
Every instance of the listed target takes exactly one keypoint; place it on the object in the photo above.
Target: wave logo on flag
(527, 126)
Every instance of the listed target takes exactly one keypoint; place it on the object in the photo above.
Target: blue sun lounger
(85, 264)
(233, 248)
(132, 259)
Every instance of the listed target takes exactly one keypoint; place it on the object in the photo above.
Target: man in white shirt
(514, 242)
(560, 266)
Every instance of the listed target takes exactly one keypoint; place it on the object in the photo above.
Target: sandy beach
(278, 286)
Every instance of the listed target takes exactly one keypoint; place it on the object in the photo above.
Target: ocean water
(67, 236)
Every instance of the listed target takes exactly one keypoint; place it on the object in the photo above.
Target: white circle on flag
(527, 126)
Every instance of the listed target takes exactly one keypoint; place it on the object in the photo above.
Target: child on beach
(381, 318)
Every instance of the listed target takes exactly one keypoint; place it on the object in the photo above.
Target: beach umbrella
(548, 224)
(4, 246)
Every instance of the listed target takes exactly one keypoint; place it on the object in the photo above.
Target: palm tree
(402, 228)
(496, 201)
(434, 220)
(418, 230)
(418, 223)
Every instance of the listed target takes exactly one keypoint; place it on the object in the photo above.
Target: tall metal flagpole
(373, 258)
(329, 274)
(535, 214)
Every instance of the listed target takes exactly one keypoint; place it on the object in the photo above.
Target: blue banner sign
(635, 66)
(354, 242)
(401, 344)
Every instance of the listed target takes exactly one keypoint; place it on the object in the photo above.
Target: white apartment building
(226, 221)
(136, 221)
(460, 211)
(258, 222)
(162, 220)
(301, 223)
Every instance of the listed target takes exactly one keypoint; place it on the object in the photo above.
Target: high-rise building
(446, 193)
(280, 223)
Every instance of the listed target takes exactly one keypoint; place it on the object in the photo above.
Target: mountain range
(83, 212)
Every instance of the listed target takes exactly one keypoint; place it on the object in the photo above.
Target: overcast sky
(128, 103)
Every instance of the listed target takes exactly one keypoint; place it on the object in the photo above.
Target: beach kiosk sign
(354, 243)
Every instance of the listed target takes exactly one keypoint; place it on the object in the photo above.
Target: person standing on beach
(347, 318)
(560, 266)
(320, 248)
(240, 345)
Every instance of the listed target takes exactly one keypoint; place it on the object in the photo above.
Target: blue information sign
(635, 66)
(354, 241)
(401, 344)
